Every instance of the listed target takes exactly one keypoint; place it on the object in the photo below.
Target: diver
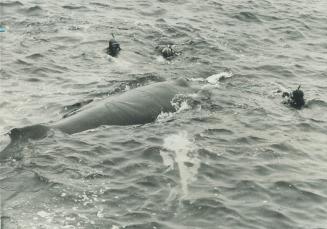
(114, 47)
(295, 99)
(168, 51)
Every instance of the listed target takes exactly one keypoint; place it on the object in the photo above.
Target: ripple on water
(35, 56)
(10, 3)
(291, 193)
(247, 17)
(204, 210)
(32, 11)
(312, 103)
(74, 7)
(218, 131)
(154, 12)
(277, 71)
(101, 4)
(289, 32)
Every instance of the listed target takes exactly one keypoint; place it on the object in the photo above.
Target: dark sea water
(233, 156)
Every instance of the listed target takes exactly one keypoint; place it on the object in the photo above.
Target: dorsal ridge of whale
(137, 106)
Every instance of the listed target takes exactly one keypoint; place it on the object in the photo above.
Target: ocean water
(232, 156)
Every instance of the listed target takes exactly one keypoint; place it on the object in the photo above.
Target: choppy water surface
(233, 156)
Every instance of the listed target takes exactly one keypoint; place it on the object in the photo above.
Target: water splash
(181, 103)
(165, 117)
(179, 149)
(213, 81)
(216, 78)
(4, 141)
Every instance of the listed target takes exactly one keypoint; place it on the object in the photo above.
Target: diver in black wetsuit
(114, 47)
(295, 99)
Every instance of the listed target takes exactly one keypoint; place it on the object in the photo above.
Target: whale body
(137, 106)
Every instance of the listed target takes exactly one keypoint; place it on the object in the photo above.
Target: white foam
(197, 79)
(184, 106)
(127, 88)
(181, 102)
(43, 214)
(4, 141)
(167, 159)
(183, 152)
(214, 79)
(100, 213)
(160, 59)
(165, 116)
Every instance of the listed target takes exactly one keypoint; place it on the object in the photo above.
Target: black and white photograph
(163, 114)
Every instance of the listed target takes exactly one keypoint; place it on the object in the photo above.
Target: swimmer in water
(114, 47)
(295, 99)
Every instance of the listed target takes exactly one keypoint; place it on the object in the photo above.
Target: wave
(73, 7)
(32, 11)
(19, 137)
(316, 103)
(247, 17)
(10, 4)
(297, 192)
(218, 131)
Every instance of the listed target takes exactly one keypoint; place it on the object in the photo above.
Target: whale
(137, 106)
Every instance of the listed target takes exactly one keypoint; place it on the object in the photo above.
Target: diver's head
(167, 51)
(114, 47)
(297, 98)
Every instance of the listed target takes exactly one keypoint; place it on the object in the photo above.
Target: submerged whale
(137, 106)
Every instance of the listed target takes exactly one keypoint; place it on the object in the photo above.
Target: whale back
(138, 106)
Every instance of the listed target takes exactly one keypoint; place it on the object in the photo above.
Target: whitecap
(214, 79)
